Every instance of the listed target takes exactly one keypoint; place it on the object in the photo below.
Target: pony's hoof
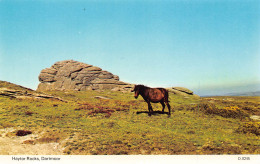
(169, 115)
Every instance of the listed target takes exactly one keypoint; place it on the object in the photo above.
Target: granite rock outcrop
(74, 75)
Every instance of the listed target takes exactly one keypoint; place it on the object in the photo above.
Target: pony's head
(137, 89)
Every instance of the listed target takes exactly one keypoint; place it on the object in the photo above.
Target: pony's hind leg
(169, 107)
(163, 105)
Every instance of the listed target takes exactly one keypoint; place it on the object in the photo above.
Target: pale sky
(202, 45)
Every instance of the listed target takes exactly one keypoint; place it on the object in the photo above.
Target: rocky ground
(19, 94)
(23, 145)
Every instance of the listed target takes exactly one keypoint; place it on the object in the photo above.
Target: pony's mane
(141, 86)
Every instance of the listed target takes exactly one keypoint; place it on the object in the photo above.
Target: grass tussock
(250, 127)
(212, 109)
(51, 136)
(6, 125)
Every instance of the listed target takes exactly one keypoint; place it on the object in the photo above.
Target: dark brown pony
(154, 95)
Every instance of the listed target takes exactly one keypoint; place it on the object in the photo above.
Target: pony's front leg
(150, 108)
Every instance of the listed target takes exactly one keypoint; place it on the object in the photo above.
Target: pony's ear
(133, 89)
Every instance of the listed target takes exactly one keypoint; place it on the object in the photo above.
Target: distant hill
(257, 93)
(240, 90)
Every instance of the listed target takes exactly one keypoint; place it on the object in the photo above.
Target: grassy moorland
(88, 125)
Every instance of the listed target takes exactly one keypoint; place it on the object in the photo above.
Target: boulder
(47, 74)
(73, 75)
(181, 91)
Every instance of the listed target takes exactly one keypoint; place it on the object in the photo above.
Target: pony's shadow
(152, 113)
